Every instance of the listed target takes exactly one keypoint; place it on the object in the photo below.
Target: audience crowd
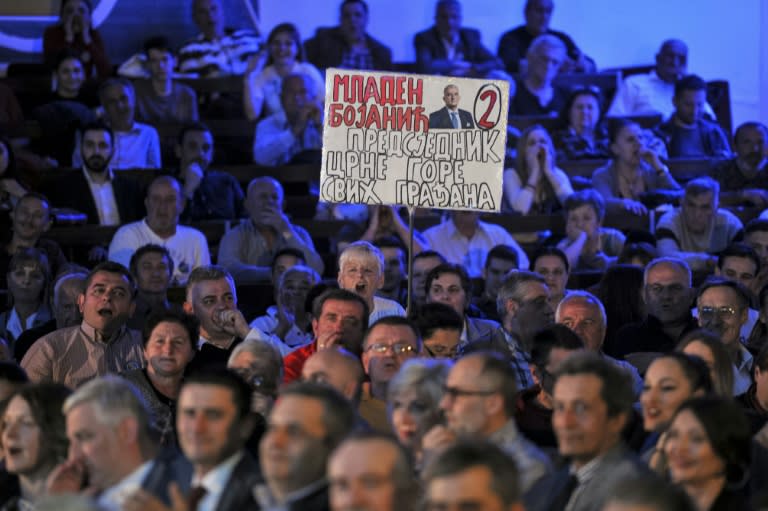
(379, 368)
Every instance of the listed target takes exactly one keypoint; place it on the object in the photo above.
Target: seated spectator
(755, 400)
(647, 492)
(294, 129)
(440, 327)
(413, 402)
(463, 239)
(161, 99)
(722, 307)
(11, 187)
(385, 221)
(337, 368)
(488, 375)
(99, 345)
(536, 184)
(585, 136)
(106, 197)
(639, 253)
(745, 177)
(152, 268)
(70, 106)
(286, 325)
(552, 264)
(247, 250)
(707, 345)
(756, 236)
(28, 279)
(550, 347)
(261, 93)
(535, 94)
(635, 169)
(758, 337)
(698, 229)
(667, 295)
(423, 263)
(513, 45)
(652, 93)
(30, 220)
(187, 246)
(75, 30)
(209, 194)
(450, 285)
(740, 263)
(34, 439)
(500, 260)
(687, 133)
(170, 341)
(216, 51)
(136, 145)
(261, 366)
(585, 314)
(452, 50)
(361, 270)
(339, 319)
(525, 308)
(348, 46)
(65, 293)
(395, 286)
(620, 290)
(589, 245)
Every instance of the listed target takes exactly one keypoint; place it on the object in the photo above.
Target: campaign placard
(414, 140)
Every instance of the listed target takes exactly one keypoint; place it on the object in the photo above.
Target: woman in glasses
(413, 401)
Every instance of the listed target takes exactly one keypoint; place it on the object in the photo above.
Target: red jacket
(293, 363)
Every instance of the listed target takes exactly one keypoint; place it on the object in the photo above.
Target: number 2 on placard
(488, 107)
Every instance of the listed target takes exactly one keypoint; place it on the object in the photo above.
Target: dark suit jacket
(238, 493)
(327, 48)
(432, 58)
(69, 189)
(170, 466)
(442, 119)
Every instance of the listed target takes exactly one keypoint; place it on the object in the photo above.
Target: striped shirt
(226, 56)
(73, 356)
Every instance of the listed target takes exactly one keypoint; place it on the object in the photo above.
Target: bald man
(338, 368)
(188, 246)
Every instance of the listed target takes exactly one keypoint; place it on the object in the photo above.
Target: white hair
(362, 250)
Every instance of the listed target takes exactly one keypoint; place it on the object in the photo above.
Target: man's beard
(96, 164)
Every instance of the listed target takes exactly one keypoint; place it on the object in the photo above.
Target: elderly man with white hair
(584, 313)
(361, 270)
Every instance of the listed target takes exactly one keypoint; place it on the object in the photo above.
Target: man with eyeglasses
(479, 402)
(740, 262)
(722, 307)
(523, 304)
(667, 295)
(388, 343)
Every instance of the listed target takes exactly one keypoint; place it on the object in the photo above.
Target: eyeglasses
(438, 351)
(707, 313)
(455, 392)
(399, 348)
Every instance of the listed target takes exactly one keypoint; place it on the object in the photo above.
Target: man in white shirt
(111, 449)
(136, 145)
(464, 239)
(188, 246)
(652, 93)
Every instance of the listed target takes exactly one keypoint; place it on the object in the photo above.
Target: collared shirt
(742, 371)
(275, 143)
(531, 461)
(113, 498)
(264, 327)
(104, 198)
(471, 253)
(215, 481)
(244, 251)
(138, 147)
(584, 475)
(73, 356)
(383, 307)
(646, 94)
(14, 328)
(267, 501)
(520, 363)
(188, 247)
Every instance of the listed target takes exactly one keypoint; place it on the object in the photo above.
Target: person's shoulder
(470, 33)
(515, 33)
(425, 35)
(724, 216)
(190, 232)
(130, 228)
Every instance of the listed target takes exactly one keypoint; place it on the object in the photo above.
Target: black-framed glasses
(455, 392)
(440, 351)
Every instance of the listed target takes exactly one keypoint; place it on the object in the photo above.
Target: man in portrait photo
(451, 117)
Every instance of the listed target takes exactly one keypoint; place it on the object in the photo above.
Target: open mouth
(360, 287)
(105, 313)
(14, 450)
